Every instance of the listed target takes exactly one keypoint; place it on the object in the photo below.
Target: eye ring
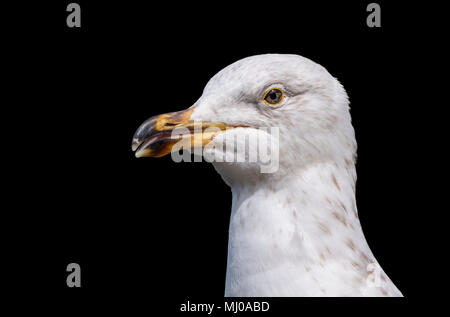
(273, 97)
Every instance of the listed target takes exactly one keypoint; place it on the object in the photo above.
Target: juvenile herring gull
(293, 231)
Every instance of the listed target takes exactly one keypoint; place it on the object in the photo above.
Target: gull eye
(273, 96)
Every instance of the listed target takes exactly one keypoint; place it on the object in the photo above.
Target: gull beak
(157, 135)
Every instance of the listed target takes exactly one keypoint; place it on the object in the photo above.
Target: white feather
(294, 232)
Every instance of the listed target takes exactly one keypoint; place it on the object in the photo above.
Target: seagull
(294, 231)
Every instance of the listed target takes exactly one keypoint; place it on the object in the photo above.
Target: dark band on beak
(153, 137)
(156, 137)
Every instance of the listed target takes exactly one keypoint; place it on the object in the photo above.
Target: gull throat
(303, 238)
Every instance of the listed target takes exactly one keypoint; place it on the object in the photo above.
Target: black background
(152, 228)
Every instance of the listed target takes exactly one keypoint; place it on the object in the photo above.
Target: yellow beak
(157, 136)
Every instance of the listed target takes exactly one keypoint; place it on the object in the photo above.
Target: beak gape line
(174, 133)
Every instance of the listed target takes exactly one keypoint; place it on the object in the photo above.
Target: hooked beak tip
(135, 144)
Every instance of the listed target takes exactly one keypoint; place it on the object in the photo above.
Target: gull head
(265, 116)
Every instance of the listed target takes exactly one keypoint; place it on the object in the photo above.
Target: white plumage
(295, 232)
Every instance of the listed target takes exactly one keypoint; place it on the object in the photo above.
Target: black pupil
(274, 96)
